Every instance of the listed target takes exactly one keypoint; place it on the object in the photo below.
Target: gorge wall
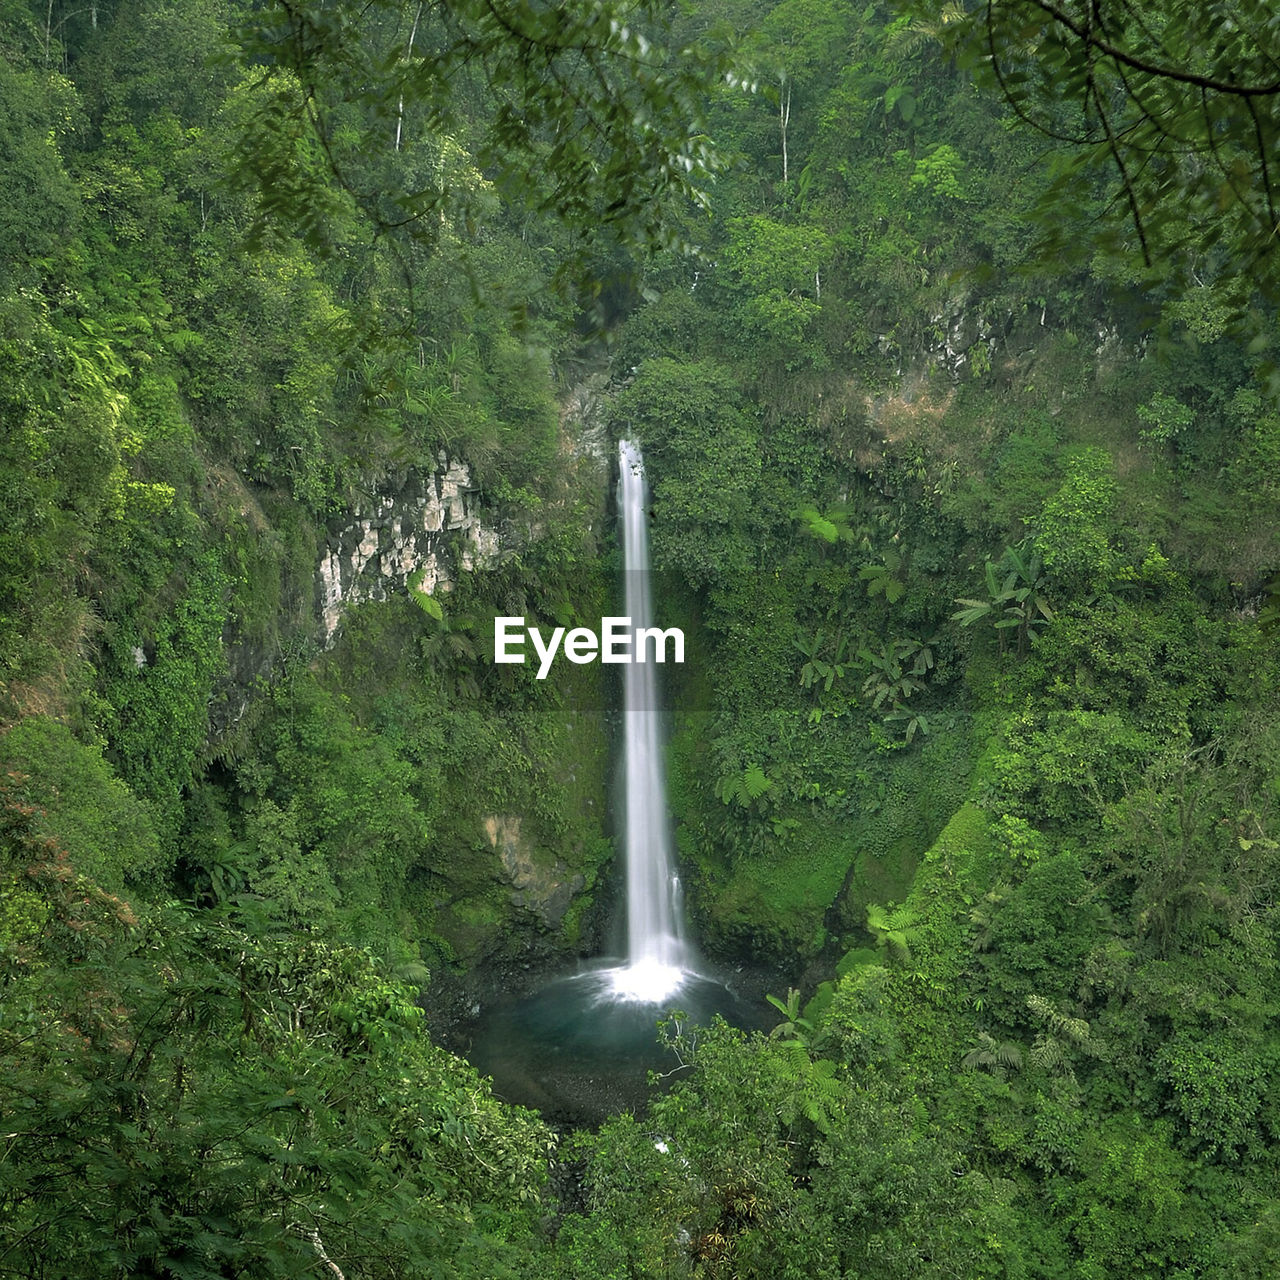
(416, 528)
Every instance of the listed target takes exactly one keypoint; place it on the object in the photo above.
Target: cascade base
(579, 1051)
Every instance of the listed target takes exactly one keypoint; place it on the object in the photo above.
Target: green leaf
(755, 783)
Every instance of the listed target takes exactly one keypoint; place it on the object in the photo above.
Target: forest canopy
(589, 111)
(319, 326)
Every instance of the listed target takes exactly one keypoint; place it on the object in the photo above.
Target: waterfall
(588, 1038)
(658, 956)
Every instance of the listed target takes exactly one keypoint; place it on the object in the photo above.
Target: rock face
(514, 897)
(537, 887)
(582, 420)
(419, 528)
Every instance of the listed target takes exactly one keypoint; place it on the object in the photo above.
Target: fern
(1051, 1049)
(893, 929)
(427, 603)
(1074, 1029)
(829, 526)
(988, 1055)
(744, 788)
(881, 579)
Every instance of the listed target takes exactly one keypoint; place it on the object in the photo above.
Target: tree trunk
(784, 119)
(413, 35)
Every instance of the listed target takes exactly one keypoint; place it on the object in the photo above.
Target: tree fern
(893, 929)
(881, 578)
(995, 1057)
(826, 526)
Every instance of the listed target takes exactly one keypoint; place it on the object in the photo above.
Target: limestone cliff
(418, 526)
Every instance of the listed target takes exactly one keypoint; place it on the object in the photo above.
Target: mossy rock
(922, 792)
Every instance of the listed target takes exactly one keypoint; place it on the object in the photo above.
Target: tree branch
(1177, 75)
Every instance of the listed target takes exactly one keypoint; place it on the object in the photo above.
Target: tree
(191, 1094)
(768, 1159)
(776, 268)
(1179, 100)
(804, 43)
(579, 110)
(38, 204)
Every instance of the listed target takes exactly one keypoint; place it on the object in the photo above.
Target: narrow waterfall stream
(658, 955)
(580, 1047)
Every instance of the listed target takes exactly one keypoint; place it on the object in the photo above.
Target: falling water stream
(580, 1048)
(658, 955)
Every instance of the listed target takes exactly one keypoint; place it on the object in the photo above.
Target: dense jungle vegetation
(965, 455)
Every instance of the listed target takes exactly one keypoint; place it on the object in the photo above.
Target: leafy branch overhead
(1179, 100)
(592, 117)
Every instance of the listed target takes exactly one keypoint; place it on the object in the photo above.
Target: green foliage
(1073, 527)
(898, 670)
(892, 928)
(779, 268)
(1131, 1213)
(1218, 1086)
(60, 476)
(882, 579)
(823, 666)
(427, 603)
(329, 813)
(226, 1097)
(83, 806)
(701, 450)
(1015, 601)
(1269, 614)
(1166, 418)
(39, 205)
(744, 789)
(987, 1055)
(828, 527)
(592, 119)
(765, 1160)
(794, 1026)
(1055, 1058)
(1180, 111)
(1039, 935)
(158, 706)
(939, 171)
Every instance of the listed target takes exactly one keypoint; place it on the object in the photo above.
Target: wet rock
(545, 891)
